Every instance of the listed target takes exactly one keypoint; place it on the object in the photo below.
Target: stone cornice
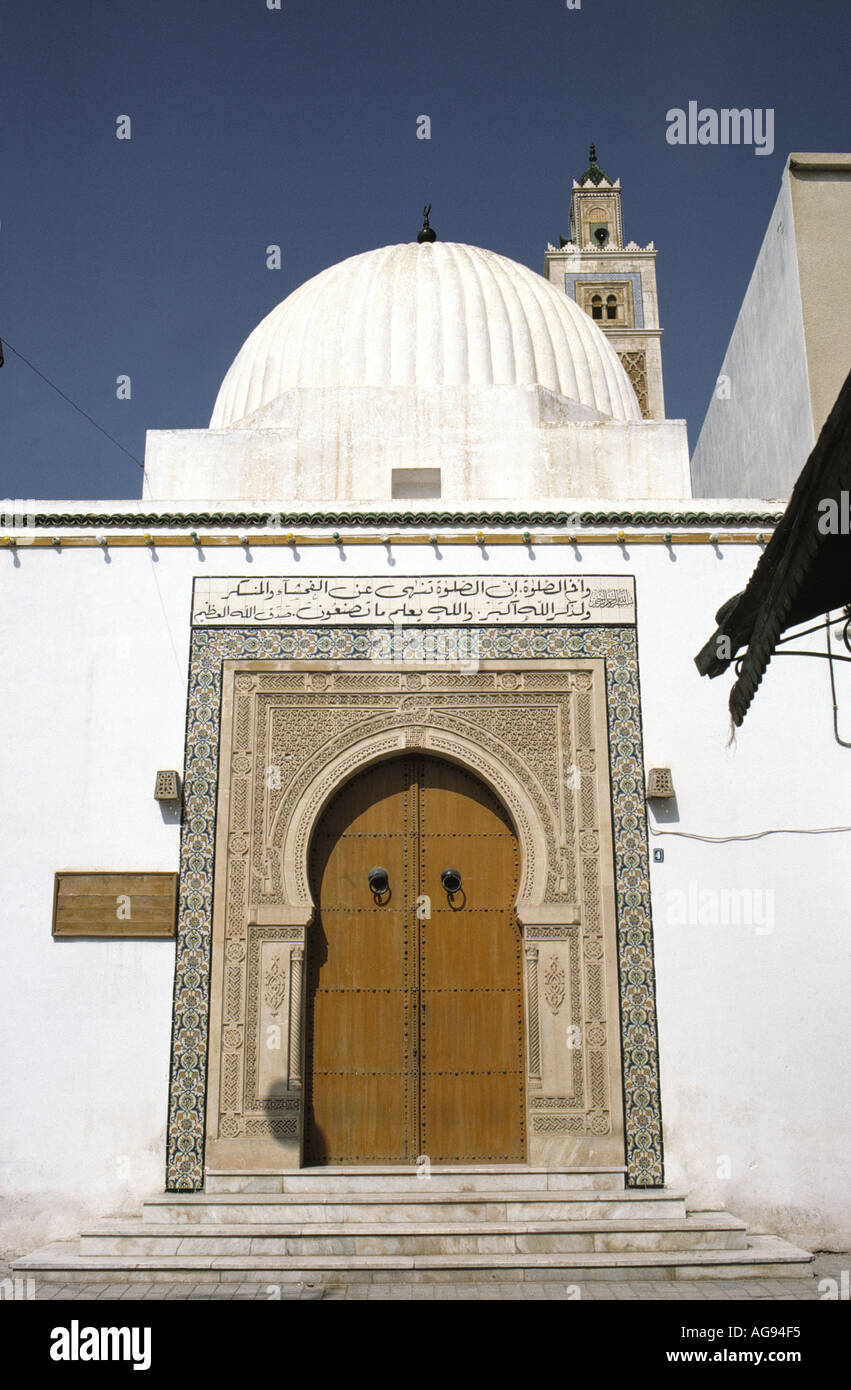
(573, 249)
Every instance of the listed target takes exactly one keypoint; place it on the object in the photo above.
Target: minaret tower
(614, 283)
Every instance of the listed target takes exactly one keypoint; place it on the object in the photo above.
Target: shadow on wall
(282, 1106)
(663, 811)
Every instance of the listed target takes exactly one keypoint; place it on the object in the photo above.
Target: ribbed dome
(438, 314)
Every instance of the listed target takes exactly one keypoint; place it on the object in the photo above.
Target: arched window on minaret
(596, 306)
(611, 306)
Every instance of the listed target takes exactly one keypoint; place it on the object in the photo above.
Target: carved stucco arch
(290, 838)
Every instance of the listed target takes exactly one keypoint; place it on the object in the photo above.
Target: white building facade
(790, 348)
(428, 523)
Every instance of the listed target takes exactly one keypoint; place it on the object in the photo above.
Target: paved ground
(827, 1267)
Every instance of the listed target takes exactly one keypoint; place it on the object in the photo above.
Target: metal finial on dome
(592, 155)
(427, 233)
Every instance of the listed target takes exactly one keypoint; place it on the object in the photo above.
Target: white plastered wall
(491, 443)
(758, 429)
(752, 1023)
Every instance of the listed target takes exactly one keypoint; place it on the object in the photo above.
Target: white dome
(437, 314)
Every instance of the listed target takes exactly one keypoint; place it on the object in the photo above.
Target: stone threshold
(416, 1197)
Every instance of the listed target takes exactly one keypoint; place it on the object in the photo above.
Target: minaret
(614, 283)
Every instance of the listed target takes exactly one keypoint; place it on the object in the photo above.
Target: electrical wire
(757, 835)
(831, 657)
(113, 440)
(793, 636)
(67, 398)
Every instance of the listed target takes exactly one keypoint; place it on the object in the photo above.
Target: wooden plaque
(114, 904)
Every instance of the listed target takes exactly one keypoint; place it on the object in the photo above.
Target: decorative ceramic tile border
(210, 647)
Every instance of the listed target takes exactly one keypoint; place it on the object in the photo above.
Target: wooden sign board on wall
(114, 904)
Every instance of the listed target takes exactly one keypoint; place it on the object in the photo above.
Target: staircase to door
(503, 1223)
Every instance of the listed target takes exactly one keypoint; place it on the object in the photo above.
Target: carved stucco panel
(296, 738)
(544, 766)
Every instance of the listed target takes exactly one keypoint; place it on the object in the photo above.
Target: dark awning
(805, 570)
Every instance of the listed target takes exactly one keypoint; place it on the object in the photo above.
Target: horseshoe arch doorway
(414, 1027)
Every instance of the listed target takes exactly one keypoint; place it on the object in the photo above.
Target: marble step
(426, 1205)
(712, 1230)
(512, 1177)
(766, 1257)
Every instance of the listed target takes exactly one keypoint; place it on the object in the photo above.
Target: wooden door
(414, 996)
(361, 1036)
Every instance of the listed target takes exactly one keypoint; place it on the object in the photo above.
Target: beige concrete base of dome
(515, 443)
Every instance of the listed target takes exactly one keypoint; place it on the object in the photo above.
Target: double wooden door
(414, 994)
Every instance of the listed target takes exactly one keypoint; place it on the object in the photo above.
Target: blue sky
(297, 126)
